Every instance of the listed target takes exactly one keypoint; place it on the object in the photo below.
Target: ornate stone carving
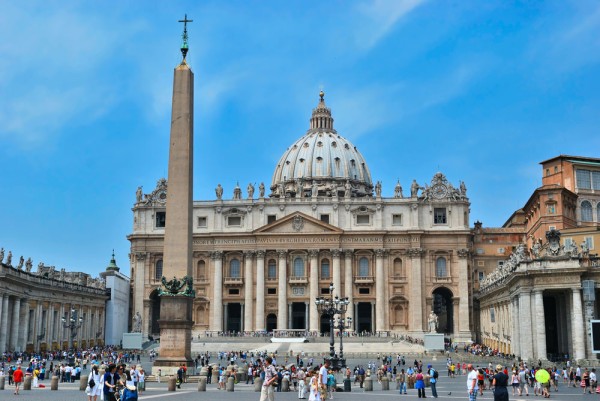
(249, 254)
(140, 256)
(380, 252)
(336, 253)
(313, 253)
(282, 253)
(237, 192)
(463, 253)
(298, 223)
(348, 253)
(261, 190)
(250, 190)
(415, 252)
(216, 255)
(441, 189)
(398, 190)
(176, 287)
(553, 246)
(260, 253)
(159, 195)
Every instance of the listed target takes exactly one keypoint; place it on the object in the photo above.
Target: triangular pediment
(298, 223)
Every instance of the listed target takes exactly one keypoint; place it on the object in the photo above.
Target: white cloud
(379, 17)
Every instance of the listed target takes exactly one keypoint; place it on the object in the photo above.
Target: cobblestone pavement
(448, 389)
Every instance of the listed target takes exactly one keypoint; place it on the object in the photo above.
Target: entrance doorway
(364, 317)
(443, 308)
(234, 317)
(325, 325)
(298, 316)
(154, 313)
(271, 322)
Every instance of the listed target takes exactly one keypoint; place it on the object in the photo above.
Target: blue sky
(482, 91)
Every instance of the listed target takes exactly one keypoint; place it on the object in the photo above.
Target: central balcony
(364, 279)
(298, 280)
(234, 281)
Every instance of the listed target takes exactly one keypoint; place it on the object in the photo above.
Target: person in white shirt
(301, 384)
(323, 376)
(472, 383)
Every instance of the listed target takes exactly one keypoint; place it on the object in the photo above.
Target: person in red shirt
(18, 379)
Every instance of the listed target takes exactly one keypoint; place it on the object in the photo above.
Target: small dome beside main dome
(321, 161)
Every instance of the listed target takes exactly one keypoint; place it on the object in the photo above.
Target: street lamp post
(73, 323)
(334, 306)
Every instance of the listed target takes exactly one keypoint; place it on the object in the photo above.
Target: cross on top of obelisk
(184, 45)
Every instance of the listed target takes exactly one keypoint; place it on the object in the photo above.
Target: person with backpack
(433, 377)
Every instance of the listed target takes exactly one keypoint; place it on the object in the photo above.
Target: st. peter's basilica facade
(262, 257)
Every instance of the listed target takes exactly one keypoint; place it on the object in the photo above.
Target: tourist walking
(402, 382)
(500, 382)
(93, 389)
(301, 384)
(472, 382)
(266, 392)
(314, 390)
(17, 378)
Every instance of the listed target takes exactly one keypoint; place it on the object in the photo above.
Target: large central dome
(321, 163)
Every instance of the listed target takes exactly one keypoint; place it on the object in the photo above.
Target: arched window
(363, 267)
(398, 267)
(234, 268)
(440, 267)
(158, 269)
(201, 270)
(325, 273)
(598, 212)
(586, 211)
(298, 267)
(272, 269)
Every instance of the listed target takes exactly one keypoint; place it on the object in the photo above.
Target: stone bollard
(411, 382)
(229, 386)
(2, 382)
(285, 385)
(215, 376)
(83, 382)
(202, 383)
(54, 383)
(172, 383)
(258, 382)
(368, 384)
(385, 383)
(27, 383)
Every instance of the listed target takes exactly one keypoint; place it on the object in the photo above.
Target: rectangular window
(234, 221)
(584, 179)
(324, 291)
(500, 263)
(590, 242)
(325, 218)
(596, 180)
(481, 276)
(364, 291)
(480, 263)
(568, 242)
(363, 219)
(396, 219)
(271, 218)
(234, 291)
(161, 219)
(271, 291)
(501, 251)
(202, 222)
(439, 215)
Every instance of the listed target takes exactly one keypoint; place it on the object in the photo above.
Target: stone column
(4, 323)
(24, 329)
(463, 290)
(577, 326)
(259, 324)
(138, 291)
(50, 325)
(525, 333)
(380, 281)
(248, 295)
(455, 311)
(415, 297)
(217, 307)
(282, 290)
(589, 308)
(540, 322)
(314, 289)
(348, 284)
(337, 274)
(515, 336)
(15, 324)
(38, 325)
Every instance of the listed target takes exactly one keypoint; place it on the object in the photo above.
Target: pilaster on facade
(282, 290)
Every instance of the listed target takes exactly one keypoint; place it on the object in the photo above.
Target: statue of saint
(463, 188)
(9, 259)
(414, 189)
(137, 323)
(237, 191)
(261, 190)
(219, 191)
(432, 321)
(138, 195)
(250, 190)
(21, 261)
(585, 249)
(1, 254)
(28, 265)
(398, 190)
(347, 189)
(315, 189)
(378, 189)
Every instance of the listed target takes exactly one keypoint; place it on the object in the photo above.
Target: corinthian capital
(415, 252)
(336, 253)
(380, 252)
(348, 253)
(216, 255)
(282, 253)
(249, 254)
(313, 253)
(140, 256)
(260, 253)
(463, 253)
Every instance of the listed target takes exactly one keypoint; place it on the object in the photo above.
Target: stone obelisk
(176, 292)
